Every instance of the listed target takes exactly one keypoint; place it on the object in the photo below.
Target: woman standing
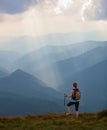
(75, 99)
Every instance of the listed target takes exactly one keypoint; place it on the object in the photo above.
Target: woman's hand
(65, 95)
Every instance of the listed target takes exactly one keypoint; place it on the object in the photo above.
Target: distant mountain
(13, 104)
(64, 69)
(25, 44)
(88, 59)
(58, 60)
(3, 73)
(20, 82)
(22, 93)
(7, 58)
(39, 59)
(93, 85)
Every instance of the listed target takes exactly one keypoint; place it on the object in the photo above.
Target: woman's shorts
(74, 103)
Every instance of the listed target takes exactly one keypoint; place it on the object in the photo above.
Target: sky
(34, 18)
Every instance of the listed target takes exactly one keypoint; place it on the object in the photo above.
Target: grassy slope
(51, 121)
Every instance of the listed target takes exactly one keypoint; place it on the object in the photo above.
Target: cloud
(60, 7)
(91, 9)
(95, 10)
(44, 6)
(51, 16)
(15, 6)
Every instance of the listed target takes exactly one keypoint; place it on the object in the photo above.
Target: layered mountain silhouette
(28, 87)
(68, 67)
(59, 60)
(50, 54)
(88, 59)
(22, 93)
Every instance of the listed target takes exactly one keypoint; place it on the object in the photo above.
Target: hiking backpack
(76, 95)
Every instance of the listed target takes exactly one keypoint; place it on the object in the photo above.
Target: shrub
(102, 114)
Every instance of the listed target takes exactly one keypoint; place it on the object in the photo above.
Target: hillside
(3, 73)
(22, 93)
(52, 121)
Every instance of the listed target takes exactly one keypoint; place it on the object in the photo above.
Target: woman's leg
(76, 108)
(69, 111)
(68, 106)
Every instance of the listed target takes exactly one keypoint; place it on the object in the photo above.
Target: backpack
(76, 95)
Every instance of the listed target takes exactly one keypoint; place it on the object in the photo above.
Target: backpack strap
(76, 90)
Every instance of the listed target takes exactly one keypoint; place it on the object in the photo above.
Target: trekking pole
(64, 103)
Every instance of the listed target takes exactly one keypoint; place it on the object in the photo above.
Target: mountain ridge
(22, 93)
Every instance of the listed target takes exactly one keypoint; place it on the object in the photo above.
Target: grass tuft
(102, 114)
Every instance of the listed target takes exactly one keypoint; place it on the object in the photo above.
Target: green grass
(52, 121)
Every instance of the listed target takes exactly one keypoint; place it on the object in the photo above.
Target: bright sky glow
(62, 5)
(54, 16)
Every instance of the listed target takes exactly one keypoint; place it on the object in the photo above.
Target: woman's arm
(70, 95)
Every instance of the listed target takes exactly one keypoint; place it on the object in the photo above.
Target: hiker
(75, 98)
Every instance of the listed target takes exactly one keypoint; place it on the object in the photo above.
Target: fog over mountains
(34, 82)
(59, 60)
